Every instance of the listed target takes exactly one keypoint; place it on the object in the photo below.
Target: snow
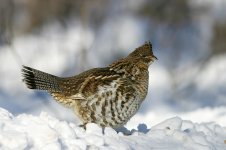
(46, 132)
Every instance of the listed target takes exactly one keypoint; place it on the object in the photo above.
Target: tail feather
(35, 79)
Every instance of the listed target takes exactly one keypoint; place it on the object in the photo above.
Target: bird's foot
(83, 126)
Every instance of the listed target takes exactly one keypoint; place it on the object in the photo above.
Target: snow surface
(46, 132)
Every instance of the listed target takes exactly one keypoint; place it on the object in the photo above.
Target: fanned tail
(35, 79)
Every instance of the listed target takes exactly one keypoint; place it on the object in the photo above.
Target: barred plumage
(36, 79)
(107, 96)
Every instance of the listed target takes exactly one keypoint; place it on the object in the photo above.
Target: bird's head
(143, 53)
(141, 57)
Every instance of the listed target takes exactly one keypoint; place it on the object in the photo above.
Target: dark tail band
(35, 79)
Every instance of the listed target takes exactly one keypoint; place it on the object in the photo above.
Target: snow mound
(46, 132)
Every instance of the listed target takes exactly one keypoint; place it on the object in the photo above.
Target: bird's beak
(154, 57)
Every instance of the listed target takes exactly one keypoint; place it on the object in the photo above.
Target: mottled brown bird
(106, 96)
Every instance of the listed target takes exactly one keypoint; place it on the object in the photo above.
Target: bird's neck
(135, 70)
(127, 65)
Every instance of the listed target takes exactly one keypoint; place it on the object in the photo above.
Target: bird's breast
(141, 84)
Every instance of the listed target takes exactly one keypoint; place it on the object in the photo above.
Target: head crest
(144, 50)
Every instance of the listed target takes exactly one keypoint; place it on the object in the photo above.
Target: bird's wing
(87, 83)
(94, 83)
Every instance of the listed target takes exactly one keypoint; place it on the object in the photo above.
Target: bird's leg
(103, 128)
(83, 125)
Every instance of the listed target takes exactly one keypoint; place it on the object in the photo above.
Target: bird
(107, 96)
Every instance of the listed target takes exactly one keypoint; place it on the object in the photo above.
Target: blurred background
(66, 37)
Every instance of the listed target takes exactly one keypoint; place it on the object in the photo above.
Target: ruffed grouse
(106, 96)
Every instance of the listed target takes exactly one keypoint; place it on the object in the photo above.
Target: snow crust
(46, 132)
